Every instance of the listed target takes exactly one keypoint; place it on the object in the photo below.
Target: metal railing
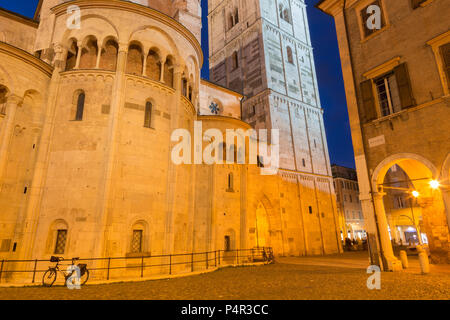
(137, 265)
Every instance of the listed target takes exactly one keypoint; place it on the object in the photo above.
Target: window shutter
(368, 111)
(445, 52)
(404, 86)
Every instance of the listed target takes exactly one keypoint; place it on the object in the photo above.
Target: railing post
(237, 257)
(142, 266)
(207, 261)
(34, 270)
(219, 257)
(192, 262)
(215, 259)
(170, 264)
(109, 265)
(1, 269)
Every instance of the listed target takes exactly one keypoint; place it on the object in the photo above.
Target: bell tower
(263, 50)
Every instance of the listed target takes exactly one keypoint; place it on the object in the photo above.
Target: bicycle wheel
(84, 277)
(49, 278)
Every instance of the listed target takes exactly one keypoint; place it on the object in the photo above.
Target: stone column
(163, 63)
(172, 168)
(105, 222)
(144, 67)
(446, 199)
(392, 262)
(12, 103)
(99, 55)
(80, 48)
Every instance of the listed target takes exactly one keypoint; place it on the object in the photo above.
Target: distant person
(348, 244)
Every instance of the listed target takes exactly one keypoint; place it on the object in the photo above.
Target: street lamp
(415, 194)
(434, 184)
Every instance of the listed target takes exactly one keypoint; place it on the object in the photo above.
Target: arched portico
(415, 187)
(265, 226)
(445, 186)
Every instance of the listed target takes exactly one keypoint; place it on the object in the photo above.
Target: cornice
(19, 18)
(26, 57)
(224, 119)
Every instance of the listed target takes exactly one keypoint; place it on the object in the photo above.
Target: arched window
(290, 55)
(236, 16)
(168, 72)
(230, 182)
(139, 237)
(89, 54)
(108, 59)
(185, 87)
(61, 238)
(80, 106)
(230, 21)
(58, 237)
(135, 60)
(286, 15)
(72, 53)
(190, 93)
(148, 115)
(153, 67)
(222, 151)
(3, 98)
(235, 60)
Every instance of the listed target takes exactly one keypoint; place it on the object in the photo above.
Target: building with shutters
(351, 221)
(397, 81)
(86, 124)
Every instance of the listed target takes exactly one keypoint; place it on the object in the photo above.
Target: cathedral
(90, 94)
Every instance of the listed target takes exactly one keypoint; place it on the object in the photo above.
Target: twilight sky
(328, 67)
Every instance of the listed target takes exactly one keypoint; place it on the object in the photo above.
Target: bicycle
(50, 275)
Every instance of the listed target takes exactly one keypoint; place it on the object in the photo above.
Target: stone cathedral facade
(87, 116)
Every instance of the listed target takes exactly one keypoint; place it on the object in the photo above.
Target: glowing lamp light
(434, 184)
(415, 194)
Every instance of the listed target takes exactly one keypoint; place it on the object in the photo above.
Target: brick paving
(292, 279)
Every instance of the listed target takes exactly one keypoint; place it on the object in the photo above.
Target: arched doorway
(409, 206)
(262, 235)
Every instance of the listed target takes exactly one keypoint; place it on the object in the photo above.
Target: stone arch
(153, 64)
(135, 58)
(4, 92)
(445, 172)
(140, 36)
(263, 215)
(52, 237)
(32, 106)
(432, 219)
(109, 53)
(169, 71)
(149, 108)
(78, 108)
(72, 53)
(139, 228)
(290, 55)
(89, 53)
(417, 166)
(102, 32)
(6, 80)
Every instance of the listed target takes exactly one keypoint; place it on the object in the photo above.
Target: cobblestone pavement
(279, 281)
